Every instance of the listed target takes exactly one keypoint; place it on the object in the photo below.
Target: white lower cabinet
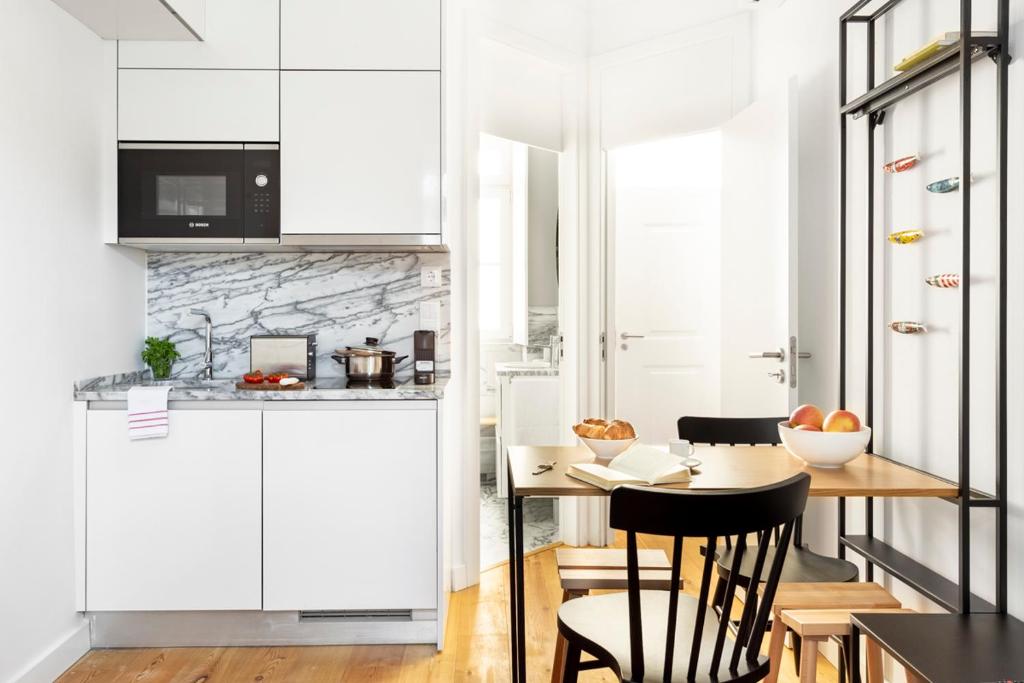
(174, 523)
(350, 506)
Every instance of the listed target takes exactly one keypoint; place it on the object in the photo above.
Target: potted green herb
(160, 355)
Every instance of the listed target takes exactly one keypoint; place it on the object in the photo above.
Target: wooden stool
(852, 597)
(581, 570)
(817, 626)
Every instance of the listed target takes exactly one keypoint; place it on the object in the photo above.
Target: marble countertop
(115, 388)
(524, 370)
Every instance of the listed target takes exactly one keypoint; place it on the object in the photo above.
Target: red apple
(807, 428)
(841, 421)
(807, 414)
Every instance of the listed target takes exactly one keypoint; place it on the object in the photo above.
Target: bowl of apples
(820, 440)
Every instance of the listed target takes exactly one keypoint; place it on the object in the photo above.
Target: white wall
(73, 308)
(916, 410)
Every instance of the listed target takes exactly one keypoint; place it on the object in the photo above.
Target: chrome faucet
(207, 371)
(552, 350)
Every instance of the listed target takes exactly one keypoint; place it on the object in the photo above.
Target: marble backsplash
(343, 298)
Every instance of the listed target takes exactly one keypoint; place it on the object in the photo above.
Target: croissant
(590, 431)
(619, 429)
(596, 421)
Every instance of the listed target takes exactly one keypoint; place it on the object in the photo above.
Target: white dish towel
(147, 412)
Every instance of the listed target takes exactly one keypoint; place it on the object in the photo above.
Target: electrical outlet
(430, 315)
(430, 277)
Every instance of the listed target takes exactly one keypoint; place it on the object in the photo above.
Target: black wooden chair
(668, 636)
(802, 565)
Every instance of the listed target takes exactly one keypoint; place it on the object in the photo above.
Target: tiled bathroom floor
(539, 525)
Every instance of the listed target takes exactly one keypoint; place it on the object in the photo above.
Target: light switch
(430, 277)
(430, 315)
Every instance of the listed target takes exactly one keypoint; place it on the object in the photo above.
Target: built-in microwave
(171, 193)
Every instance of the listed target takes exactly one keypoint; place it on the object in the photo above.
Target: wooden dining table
(722, 468)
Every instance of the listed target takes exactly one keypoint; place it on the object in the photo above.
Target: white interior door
(665, 211)
(759, 265)
(702, 245)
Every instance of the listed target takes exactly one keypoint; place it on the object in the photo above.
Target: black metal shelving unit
(955, 596)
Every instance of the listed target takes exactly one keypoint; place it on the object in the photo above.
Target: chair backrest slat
(707, 515)
(705, 590)
(636, 635)
(750, 604)
(746, 431)
(673, 605)
(730, 594)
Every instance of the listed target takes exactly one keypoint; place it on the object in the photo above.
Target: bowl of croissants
(605, 438)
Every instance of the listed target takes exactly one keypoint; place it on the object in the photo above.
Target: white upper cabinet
(360, 152)
(240, 34)
(197, 105)
(174, 523)
(361, 34)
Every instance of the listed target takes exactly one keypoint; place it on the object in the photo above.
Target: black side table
(953, 648)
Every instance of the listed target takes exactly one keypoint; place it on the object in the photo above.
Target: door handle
(779, 354)
(627, 335)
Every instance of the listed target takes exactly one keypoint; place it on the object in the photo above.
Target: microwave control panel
(262, 193)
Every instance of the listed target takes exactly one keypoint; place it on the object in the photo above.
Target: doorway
(710, 217)
(518, 294)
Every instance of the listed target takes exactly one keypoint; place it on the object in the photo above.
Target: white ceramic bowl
(824, 449)
(606, 449)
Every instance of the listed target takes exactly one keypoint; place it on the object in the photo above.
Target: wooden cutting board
(268, 386)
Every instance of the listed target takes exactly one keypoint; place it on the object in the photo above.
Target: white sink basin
(524, 364)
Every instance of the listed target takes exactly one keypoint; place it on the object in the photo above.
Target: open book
(638, 464)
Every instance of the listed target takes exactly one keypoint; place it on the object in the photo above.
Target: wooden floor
(476, 649)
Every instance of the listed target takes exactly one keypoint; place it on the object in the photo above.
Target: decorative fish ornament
(944, 280)
(905, 236)
(945, 185)
(907, 327)
(902, 164)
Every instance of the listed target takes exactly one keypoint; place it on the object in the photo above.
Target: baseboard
(59, 659)
(459, 578)
(247, 629)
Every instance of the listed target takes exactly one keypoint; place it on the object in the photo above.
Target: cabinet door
(360, 152)
(355, 34)
(174, 524)
(239, 34)
(197, 105)
(350, 508)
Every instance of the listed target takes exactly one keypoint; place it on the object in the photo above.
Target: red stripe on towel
(164, 424)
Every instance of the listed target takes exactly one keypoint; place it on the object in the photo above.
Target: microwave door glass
(191, 195)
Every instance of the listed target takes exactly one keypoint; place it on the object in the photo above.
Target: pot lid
(370, 348)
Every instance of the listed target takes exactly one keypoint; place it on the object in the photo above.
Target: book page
(649, 464)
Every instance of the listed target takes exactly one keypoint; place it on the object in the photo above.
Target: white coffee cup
(681, 447)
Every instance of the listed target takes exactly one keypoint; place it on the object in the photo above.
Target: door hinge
(604, 340)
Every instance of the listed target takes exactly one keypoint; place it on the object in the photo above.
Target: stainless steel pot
(368, 362)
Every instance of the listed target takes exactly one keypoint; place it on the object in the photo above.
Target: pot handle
(399, 359)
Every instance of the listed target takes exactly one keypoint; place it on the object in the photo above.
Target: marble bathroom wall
(541, 324)
(343, 298)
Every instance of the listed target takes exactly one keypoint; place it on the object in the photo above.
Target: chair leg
(874, 656)
(843, 660)
(571, 668)
(558, 664)
(776, 642)
(718, 597)
(560, 642)
(796, 653)
(809, 662)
